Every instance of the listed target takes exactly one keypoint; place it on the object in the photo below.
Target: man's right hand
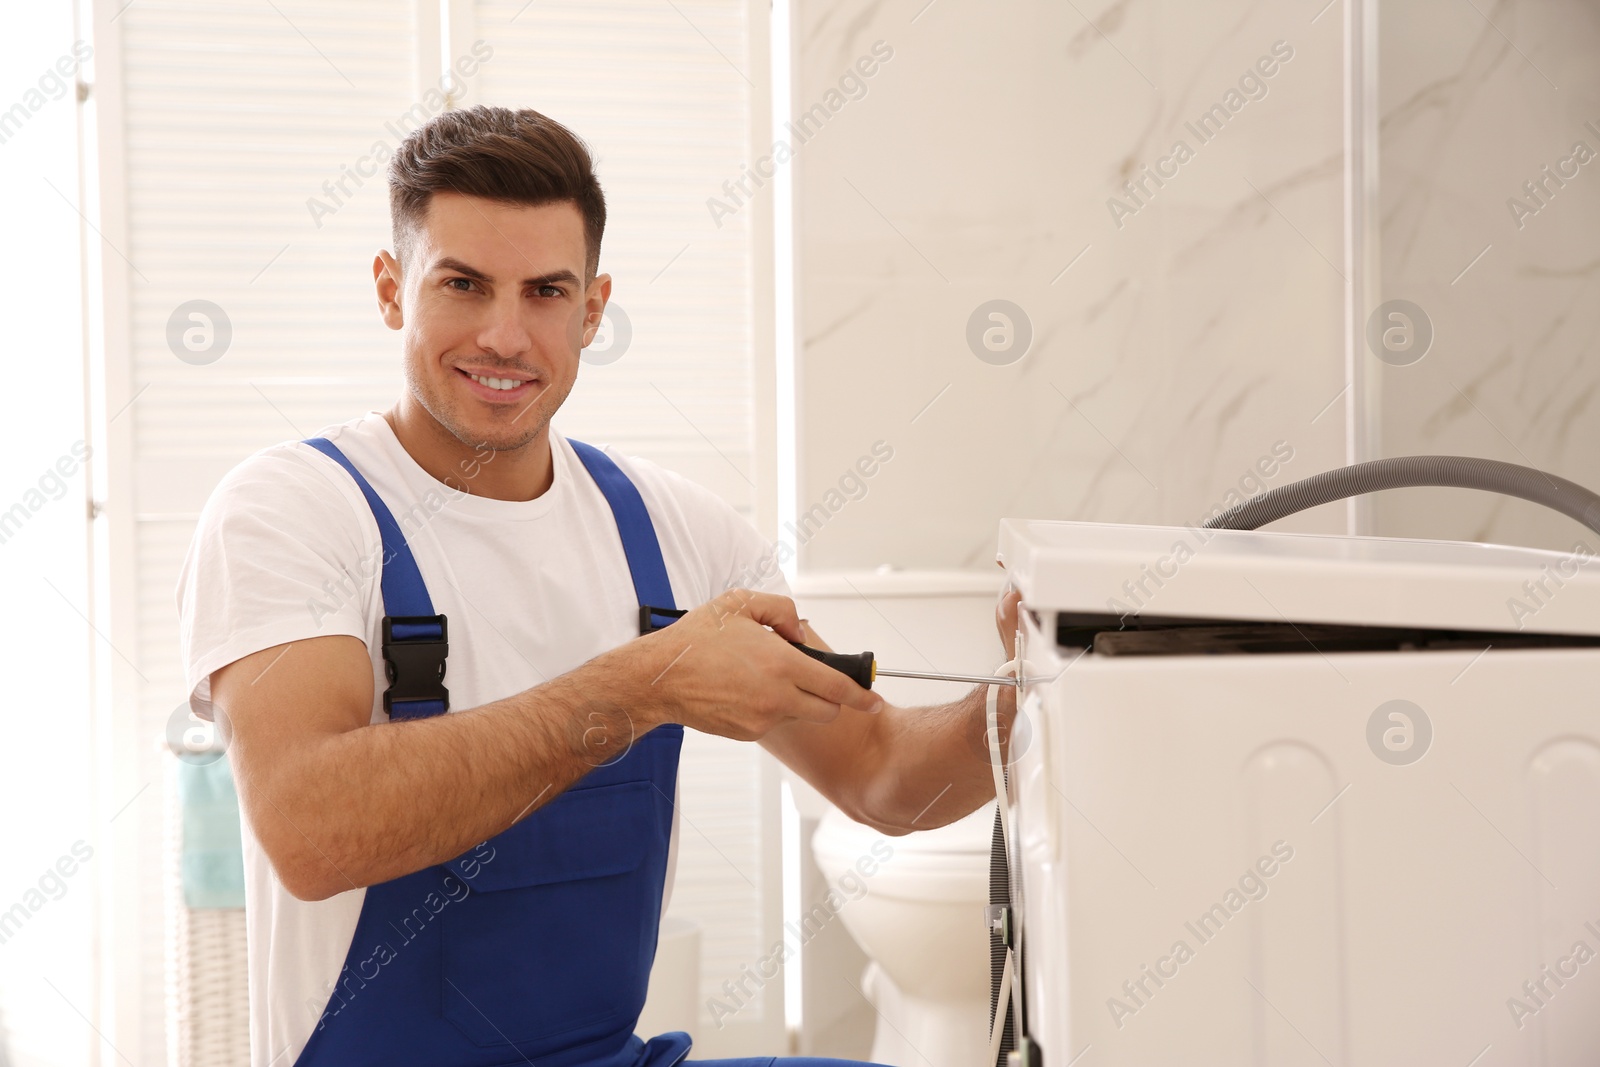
(720, 670)
(338, 803)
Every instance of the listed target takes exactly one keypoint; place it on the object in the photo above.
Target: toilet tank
(912, 620)
(1293, 799)
(933, 620)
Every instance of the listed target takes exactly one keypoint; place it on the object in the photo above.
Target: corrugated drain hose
(1403, 472)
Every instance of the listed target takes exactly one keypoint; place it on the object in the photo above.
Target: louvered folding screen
(233, 118)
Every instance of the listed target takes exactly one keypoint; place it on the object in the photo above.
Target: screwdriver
(862, 668)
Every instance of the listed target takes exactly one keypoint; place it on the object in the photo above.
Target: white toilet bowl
(921, 922)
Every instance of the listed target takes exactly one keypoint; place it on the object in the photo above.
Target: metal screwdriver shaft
(971, 679)
(862, 668)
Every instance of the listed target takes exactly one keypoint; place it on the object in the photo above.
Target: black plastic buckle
(998, 917)
(648, 624)
(414, 661)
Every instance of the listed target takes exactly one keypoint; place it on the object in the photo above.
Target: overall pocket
(552, 948)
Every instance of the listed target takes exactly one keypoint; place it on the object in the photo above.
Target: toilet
(921, 924)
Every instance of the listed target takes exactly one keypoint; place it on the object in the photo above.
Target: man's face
(493, 314)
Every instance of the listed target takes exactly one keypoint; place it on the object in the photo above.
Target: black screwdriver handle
(859, 668)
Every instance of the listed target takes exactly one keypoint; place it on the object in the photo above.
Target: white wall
(47, 789)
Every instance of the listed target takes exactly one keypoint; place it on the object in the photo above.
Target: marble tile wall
(1176, 338)
(1475, 102)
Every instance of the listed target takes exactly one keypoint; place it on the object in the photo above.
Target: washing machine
(1288, 799)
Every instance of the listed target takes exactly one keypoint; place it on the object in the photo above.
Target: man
(483, 886)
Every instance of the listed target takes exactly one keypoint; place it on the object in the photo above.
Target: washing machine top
(1190, 572)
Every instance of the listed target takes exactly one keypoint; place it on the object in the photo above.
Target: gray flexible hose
(1404, 472)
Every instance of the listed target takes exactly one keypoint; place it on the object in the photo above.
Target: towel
(212, 860)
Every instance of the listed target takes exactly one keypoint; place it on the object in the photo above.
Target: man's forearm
(932, 763)
(428, 790)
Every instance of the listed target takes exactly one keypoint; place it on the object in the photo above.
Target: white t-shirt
(287, 549)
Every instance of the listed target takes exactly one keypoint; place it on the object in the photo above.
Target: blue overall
(536, 945)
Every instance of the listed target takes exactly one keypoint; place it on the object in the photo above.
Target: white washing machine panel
(1305, 857)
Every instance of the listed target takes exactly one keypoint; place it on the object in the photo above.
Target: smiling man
(456, 652)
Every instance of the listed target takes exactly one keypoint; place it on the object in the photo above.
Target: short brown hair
(516, 157)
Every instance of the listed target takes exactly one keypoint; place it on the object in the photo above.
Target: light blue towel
(212, 861)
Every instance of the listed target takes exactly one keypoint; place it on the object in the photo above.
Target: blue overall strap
(537, 946)
(639, 543)
(415, 640)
